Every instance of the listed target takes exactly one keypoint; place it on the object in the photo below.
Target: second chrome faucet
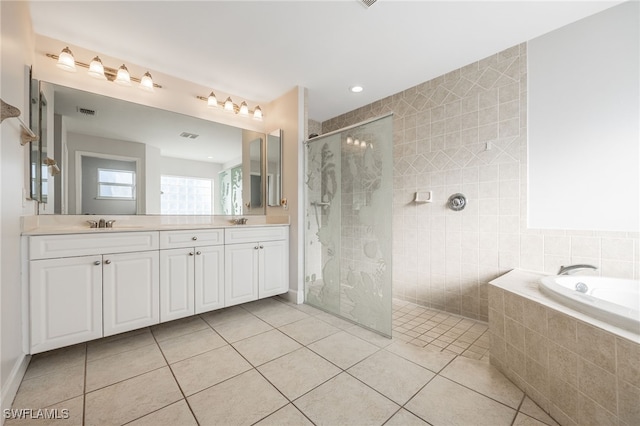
(101, 223)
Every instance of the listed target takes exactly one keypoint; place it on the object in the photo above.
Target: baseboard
(10, 389)
(292, 296)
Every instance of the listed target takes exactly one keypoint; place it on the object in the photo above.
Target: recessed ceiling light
(209, 157)
(356, 89)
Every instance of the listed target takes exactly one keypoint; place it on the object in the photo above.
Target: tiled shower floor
(274, 363)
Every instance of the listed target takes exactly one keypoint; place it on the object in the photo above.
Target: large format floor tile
(210, 368)
(266, 346)
(271, 362)
(344, 400)
(131, 399)
(243, 400)
(298, 372)
(343, 349)
(106, 371)
(483, 378)
(391, 375)
(444, 402)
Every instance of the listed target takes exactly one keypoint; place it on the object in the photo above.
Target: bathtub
(614, 300)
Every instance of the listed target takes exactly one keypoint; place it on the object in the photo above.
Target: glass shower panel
(348, 201)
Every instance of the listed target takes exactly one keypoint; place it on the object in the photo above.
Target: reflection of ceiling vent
(368, 3)
(87, 111)
(189, 135)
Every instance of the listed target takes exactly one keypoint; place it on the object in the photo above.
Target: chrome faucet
(240, 221)
(101, 223)
(572, 269)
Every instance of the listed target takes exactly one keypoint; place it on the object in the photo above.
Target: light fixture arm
(109, 72)
(236, 108)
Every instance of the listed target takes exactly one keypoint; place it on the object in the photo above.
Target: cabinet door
(65, 301)
(240, 273)
(274, 268)
(176, 283)
(131, 291)
(209, 278)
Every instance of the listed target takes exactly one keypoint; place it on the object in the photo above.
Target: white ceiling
(258, 50)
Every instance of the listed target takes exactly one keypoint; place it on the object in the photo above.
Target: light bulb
(257, 113)
(212, 101)
(228, 105)
(363, 144)
(146, 82)
(66, 60)
(123, 78)
(96, 69)
(244, 109)
(349, 140)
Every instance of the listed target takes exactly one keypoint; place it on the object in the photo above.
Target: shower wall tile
(466, 131)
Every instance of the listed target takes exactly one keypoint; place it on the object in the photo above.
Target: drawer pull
(108, 262)
(190, 253)
(198, 253)
(194, 238)
(261, 247)
(256, 247)
(97, 263)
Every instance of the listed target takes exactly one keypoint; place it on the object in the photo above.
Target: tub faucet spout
(572, 269)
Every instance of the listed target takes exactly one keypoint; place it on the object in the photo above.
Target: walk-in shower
(348, 202)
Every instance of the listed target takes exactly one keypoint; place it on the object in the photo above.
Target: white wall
(287, 113)
(584, 104)
(17, 52)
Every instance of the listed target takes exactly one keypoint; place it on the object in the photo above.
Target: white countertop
(76, 224)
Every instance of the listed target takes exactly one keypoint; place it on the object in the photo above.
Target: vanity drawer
(52, 246)
(255, 234)
(191, 238)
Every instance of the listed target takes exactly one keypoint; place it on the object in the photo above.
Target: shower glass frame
(348, 199)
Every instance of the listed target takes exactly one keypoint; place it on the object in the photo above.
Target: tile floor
(274, 363)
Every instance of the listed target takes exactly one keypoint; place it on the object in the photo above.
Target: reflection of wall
(86, 143)
(197, 169)
(252, 147)
(90, 203)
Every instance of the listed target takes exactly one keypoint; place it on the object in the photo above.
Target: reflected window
(116, 184)
(186, 195)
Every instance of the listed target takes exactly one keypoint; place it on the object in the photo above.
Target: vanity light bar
(110, 73)
(228, 105)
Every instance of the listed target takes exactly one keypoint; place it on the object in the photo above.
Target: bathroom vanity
(87, 285)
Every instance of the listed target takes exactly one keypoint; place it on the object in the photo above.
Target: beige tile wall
(465, 132)
(578, 373)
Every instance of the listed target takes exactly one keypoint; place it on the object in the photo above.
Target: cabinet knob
(194, 238)
(256, 247)
(190, 253)
(198, 253)
(108, 262)
(97, 262)
(261, 247)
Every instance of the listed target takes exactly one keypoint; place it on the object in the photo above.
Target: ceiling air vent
(87, 111)
(189, 135)
(368, 3)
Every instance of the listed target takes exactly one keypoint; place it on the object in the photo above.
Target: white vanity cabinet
(85, 286)
(191, 272)
(256, 263)
(66, 301)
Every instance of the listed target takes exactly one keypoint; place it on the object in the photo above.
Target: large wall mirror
(119, 157)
